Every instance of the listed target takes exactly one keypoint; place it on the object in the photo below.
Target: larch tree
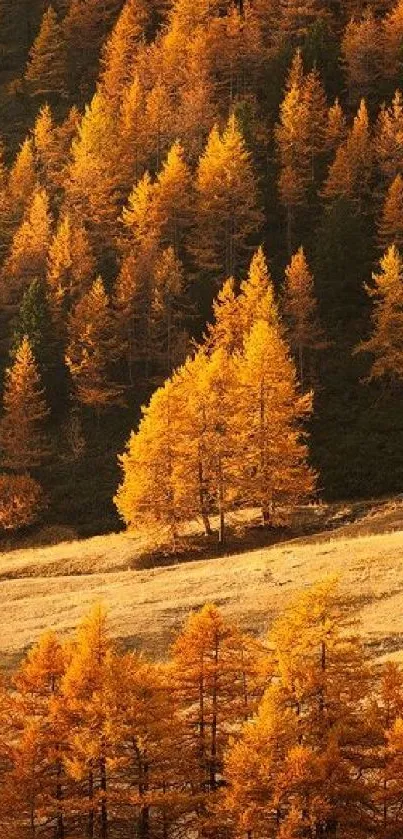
(351, 172)
(70, 267)
(293, 133)
(93, 349)
(169, 337)
(47, 67)
(43, 783)
(133, 131)
(173, 201)
(273, 472)
(302, 769)
(301, 311)
(84, 27)
(296, 17)
(23, 177)
(119, 54)
(159, 122)
(387, 141)
(257, 299)
(390, 227)
(92, 179)
(362, 51)
(228, 215)
(336, 128)
(214, 679)
(393, 36)
(385, 342)
(28, 253)
(86, 710)
(23, 440)
(146, 496)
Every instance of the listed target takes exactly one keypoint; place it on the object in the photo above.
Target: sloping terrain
(361, 546)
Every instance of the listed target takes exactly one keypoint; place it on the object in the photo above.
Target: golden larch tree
(228, 215)
(273, 472)
(26, 260)
(387, 318)
(301, 310)
(46, 72)
(23, 442)
(92, 349)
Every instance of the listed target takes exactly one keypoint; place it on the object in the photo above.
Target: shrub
(21, 501)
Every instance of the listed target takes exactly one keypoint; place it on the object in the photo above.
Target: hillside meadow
(55, 586)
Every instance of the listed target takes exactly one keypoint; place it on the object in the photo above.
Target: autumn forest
(200, 234)
(201, 317)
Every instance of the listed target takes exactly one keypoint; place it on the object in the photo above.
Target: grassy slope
(55, 586)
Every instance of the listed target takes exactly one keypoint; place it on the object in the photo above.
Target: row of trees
(299, 736)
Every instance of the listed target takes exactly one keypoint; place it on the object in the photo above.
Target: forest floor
(148, 592)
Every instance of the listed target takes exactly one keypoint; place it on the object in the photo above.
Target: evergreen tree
(33, 321)
(23, 442)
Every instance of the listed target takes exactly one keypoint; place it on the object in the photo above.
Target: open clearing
(54, 587)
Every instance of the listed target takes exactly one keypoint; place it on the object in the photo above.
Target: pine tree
(92, 349)
(300, 308)
(228, 216)
(27, 258)
(46, 70)
(385, 342)
(22, 439)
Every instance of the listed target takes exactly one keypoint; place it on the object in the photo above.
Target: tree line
(299, 735)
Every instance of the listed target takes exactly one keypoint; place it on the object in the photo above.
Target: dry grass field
(361, 545)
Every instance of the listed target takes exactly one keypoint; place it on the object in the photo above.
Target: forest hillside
(161, 162)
